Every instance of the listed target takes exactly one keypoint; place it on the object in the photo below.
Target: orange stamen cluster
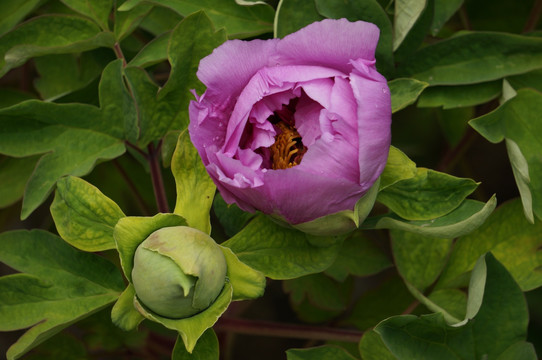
(288, 150)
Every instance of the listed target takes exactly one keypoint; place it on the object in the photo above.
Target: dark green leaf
(518, 121)
(404, 92)
(371, 347)
(428, 195)
(239, 21)
(127, 21)
(319, 353)
(531, 79)
(366, 10)
(419, 30)
(499, 320)
(14, 174)
(154, 52)
(230, 217)
(407, 12)
(279, 252)
(293, 15)
(359, 256)
(50, 34)
(444, 11)
(59, 286)
(206, 348)
(509, 236)
(84, 217)
(467, 217)
(419, 259)
(97, 10)
(13, 11)
(320, 290)
(470, 58)
(450, 97)
(519, 351)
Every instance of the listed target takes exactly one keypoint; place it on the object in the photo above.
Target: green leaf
(476, 57)
(84, 217)
(453, 301)
(450, 97)
(405, 92)
(13, 176)
(531, 79)
(195, 189)
(358, 256)
(431, 305)
(293, 15)
(247, 283)
(239, 21)
(59, 286)
(62, 74)
(279, 252)
(499, 321)
(206, 348)
(421, 26)
(464, 219)
(127, 21)
(428, 195)
(519, 351)
(153, 53)
(50, 34)
(192, 328)
(371, 347)
(320, 290)
(319, 353)
(419, 259)
(398, 167)
(407, 12)
(13, 11)
(97, 10)
(443, 12)
(518, 121)
(366, 10)
(132, 231)
(230, 216)
(124, 314)
(10, 97)
(512, 240)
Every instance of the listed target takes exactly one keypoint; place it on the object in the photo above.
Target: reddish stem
(534, 16)
(156, 176)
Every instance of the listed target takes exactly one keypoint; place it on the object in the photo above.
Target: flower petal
(330, 43)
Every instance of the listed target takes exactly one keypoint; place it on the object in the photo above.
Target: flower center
(288, 149)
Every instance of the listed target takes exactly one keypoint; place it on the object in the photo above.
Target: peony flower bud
(178, 272)
(297, 128)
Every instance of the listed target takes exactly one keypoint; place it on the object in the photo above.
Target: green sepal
(207, 348)
(247, 283)
(124, 314)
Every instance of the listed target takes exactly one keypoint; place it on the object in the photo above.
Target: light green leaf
(97, 10)
(293, 15)
(239, 21)
(404, 92)
(428, 195)
(132, 231)
(464, 219)
(247, 283)
(50, 34)
(419, 259)
(124, 313)
(192, 328)
(195, 189)
(13, 176)
(512, 240)
(279, 252)
(366, 10)
(84, 217)
(398, 167)
(407, 12)
(154, 52)
(443, 12)
(518, 121)
(450, 97)
(206, 348)
(466, 58)
(13, 11)
(319, 353)
(371, 347)
(420, 28)
(59, 285)
(359, 256)
(500, 322)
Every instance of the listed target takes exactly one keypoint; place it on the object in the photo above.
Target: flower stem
(119, 53)
(534, 16)
(156, 176)
(295, 331)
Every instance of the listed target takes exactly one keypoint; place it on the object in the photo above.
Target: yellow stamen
(285, 152)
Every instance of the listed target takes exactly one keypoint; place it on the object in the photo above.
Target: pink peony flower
(297, 127)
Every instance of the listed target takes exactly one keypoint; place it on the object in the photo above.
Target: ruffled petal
(330, 43)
